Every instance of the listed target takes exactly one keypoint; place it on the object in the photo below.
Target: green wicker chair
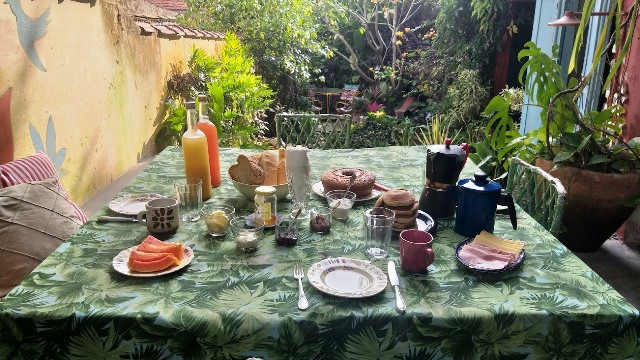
(315, 131)
(538, 193)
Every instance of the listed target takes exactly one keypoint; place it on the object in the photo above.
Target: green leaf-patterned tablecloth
(232, 305)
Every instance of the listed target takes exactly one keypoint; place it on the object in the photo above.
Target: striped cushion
(36, 167)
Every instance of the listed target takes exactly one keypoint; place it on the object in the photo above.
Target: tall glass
(299, 182)
(378, 227)
(189, 195)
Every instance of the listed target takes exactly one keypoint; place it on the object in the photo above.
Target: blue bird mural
(29, 30)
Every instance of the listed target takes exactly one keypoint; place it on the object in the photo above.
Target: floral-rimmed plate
(132, 204)
(120, 264)
(348, 278)
(473, 267)
(318, 188)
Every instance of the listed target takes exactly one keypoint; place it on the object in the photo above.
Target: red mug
(415, 250)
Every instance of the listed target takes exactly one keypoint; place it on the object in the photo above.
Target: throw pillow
(35, 218)
(36, 167)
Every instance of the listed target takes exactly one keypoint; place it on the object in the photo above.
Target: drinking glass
(340, 202)
(247, 232)
(190, 198)
(378, 227)
(299, 182)
(320, 219)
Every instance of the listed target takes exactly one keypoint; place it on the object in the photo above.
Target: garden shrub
(237, 97)
(376, 130)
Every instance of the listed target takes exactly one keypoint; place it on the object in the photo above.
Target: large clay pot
(595, 206)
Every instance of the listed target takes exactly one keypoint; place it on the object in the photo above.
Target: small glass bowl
(246, 233)
(286, 233)
(217, 218)
(320, 219)
(342, 211)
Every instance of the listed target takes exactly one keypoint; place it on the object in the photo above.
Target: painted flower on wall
(49, 148)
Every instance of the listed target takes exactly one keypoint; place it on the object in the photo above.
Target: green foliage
(245, 95)
(281, 35)
(485, 156)
(495, 20)
(237, 97)
(588, 141)
(170, 132)
(436, 131)
(467, 97)
(376, 130)
(460, 35)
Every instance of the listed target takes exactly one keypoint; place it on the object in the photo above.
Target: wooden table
(329, 94)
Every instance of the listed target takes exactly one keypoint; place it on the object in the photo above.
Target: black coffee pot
(445, 162)
(443, 166)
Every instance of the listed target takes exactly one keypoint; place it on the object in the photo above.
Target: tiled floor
(615, 262)
(619, 265)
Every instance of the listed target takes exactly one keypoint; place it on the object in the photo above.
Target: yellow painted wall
(104, 87)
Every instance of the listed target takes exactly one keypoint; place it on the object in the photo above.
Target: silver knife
(395, 283)
(116, 219)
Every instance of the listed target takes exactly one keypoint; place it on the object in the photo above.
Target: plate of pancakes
(405, 205)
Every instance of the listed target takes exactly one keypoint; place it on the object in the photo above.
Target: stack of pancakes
(404, 204)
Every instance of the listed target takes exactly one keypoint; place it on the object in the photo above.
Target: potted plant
(586, 152)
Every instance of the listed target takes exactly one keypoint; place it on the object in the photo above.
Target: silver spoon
(293, 220)
(352, 180)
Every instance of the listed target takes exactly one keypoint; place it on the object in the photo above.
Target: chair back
(315, 131)
(343, 106)
(538, 193)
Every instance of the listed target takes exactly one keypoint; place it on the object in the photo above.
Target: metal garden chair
(315, 131)
(538, 193)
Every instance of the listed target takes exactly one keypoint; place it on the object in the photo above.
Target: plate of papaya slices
(152, 257)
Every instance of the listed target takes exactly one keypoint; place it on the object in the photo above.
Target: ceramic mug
(415, 250)
(160, 216)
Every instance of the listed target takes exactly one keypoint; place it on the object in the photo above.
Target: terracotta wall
(628, 86)
(79, 80)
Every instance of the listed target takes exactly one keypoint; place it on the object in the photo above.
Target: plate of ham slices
(490, 254)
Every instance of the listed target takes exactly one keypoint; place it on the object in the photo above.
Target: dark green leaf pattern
(232, 305)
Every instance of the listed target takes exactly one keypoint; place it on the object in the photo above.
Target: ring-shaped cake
(338, 179)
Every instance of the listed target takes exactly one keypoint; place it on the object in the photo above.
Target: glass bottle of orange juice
(196, 154)
(210, 131)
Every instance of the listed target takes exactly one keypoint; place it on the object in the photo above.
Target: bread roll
(246, 171)
(270, 167)
(282, 167)
(399, 198)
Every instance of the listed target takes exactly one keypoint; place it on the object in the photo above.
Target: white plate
(120, 263)
(132, 204)
(348, 278)
(319, 190)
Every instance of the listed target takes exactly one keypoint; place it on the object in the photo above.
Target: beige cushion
(35, 218)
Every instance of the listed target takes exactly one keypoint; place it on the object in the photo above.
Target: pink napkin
(486, 257)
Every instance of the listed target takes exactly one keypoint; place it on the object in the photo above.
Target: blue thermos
(477, 200)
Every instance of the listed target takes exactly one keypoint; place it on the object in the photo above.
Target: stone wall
(79, 80)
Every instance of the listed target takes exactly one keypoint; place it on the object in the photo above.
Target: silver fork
(298, 273)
